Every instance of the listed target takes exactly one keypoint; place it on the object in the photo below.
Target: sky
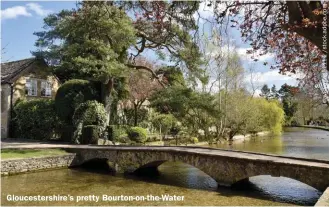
(20, 19)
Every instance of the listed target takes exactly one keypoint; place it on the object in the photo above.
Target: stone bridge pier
(226, 167)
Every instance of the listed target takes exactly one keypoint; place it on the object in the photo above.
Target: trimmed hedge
(137, 134)
(90, 134)
(36, 119)
(89, 113)
(71, 94)
(66, 133)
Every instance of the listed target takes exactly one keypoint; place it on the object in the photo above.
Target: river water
(181, 180)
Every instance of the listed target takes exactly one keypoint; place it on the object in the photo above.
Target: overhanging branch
(141, 67)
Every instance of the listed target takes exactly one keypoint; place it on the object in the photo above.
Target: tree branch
(141, 67)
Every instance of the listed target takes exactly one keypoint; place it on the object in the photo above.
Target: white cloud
(37, 8)
(272, 77)
(242, 52)
(14, 12)
(255, 81)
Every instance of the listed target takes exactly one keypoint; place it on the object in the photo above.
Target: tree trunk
(231, 135)
(106, 97)
(206, 133)
(135, 114)
(220, 129)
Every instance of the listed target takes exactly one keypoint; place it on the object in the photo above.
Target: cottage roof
(10, 70)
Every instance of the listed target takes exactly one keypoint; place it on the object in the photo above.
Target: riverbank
(242, 138)
(236, 139)
(23, 165)
(16, 142)
(314, 127)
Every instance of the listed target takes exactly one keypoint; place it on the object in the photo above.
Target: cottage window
(31, 87)
(46, 88)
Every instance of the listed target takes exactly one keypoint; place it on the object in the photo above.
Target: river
(182, 180)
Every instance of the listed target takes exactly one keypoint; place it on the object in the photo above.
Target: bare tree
(141, 86)
(3, 52)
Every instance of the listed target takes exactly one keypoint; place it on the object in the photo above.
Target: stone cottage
(24, 79)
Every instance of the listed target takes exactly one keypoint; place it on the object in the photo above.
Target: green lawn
(27, 153)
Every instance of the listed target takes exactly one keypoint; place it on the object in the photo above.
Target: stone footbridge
(225, 166)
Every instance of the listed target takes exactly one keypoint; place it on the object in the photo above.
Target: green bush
(145, 124)
(194, 140)
(163, 122)
(118, 133)
(89, 113)
(153, 139)
(36, 119)
(123, 138)
(137, 134)
(71, 94)
(90, 134)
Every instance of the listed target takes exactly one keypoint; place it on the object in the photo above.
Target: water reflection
(296, 142)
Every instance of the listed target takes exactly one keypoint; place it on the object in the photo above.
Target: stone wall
(5, 109)
(13, 166)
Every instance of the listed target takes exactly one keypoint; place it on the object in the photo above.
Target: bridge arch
(152, 167)
(226, 170)
(97, 164)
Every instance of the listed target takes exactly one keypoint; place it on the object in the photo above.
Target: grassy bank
(28, 153)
